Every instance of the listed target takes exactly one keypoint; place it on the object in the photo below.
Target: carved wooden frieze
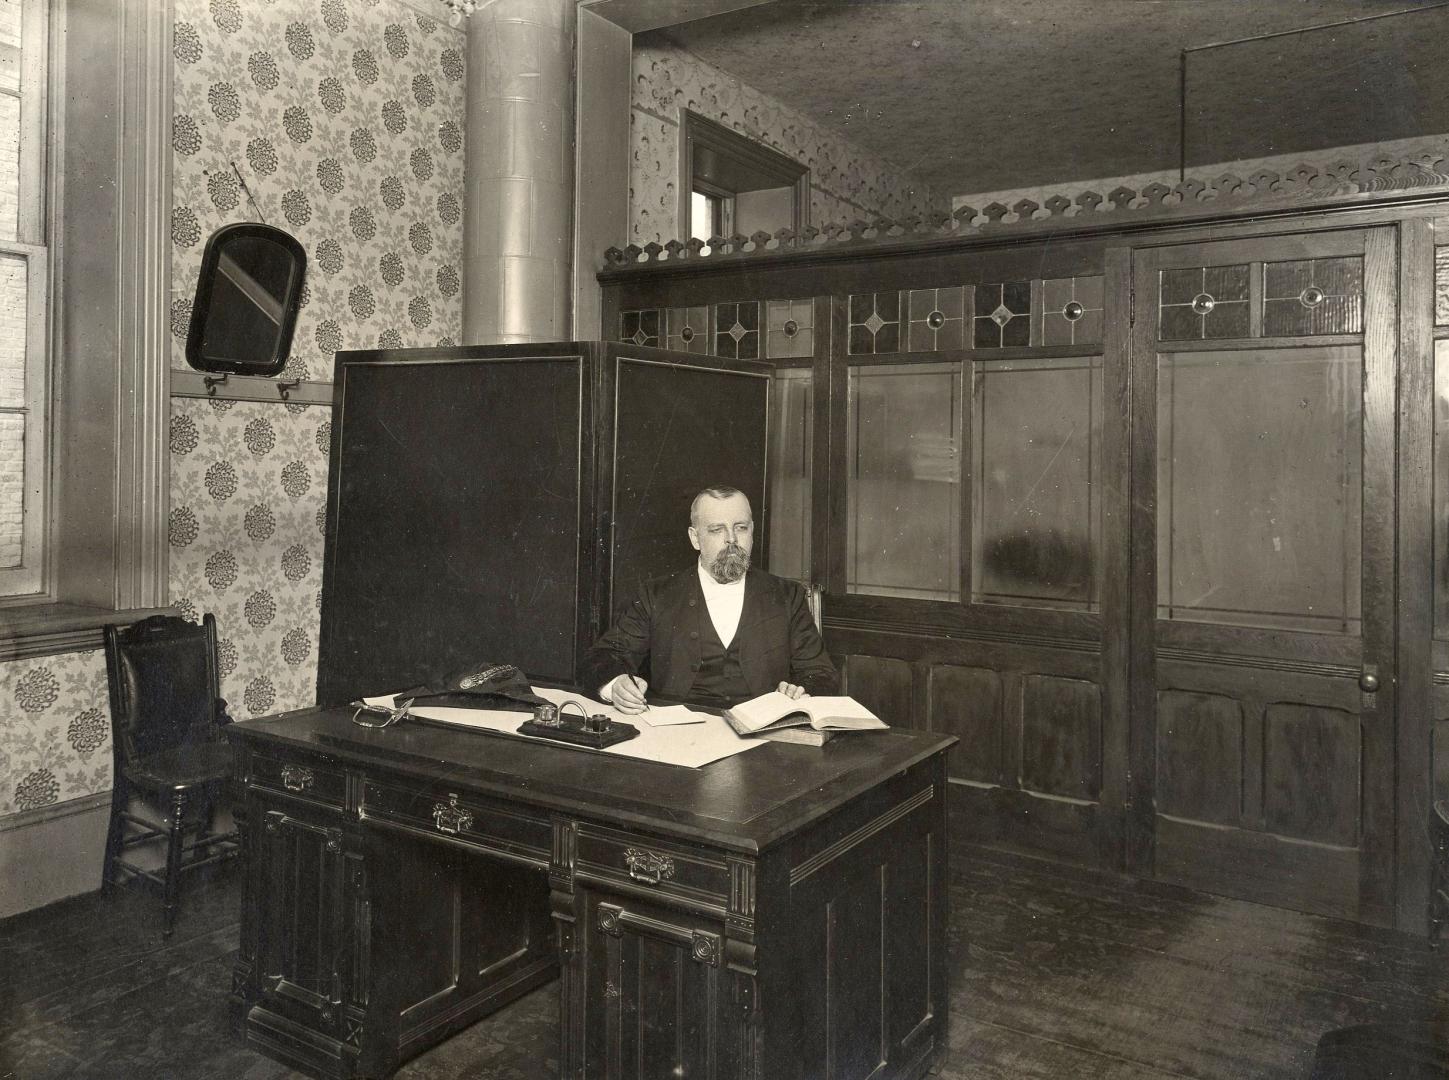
(1304, 186)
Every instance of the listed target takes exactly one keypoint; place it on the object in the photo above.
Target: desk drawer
(303, 777)
(509, 832)
(620, 859)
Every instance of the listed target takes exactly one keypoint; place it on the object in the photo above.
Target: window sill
(49, 629)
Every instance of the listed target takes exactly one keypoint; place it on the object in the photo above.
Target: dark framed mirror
(246, 300)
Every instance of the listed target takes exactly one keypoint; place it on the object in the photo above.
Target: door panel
(1267, 371)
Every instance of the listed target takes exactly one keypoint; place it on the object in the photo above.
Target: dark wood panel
(882, 685)
(1440, 746)
(1311, 773)
(1076, 832)
(1200, 756)
(1414, 536)
(665, 413)
(438, 512)
(966, 702)
(1061, 736)
(853, 1035)
(1305, 877)
(908, 897)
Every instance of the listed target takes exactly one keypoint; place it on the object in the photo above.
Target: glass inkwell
(596, 731)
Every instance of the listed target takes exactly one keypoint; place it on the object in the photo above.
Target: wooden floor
(1058, 973)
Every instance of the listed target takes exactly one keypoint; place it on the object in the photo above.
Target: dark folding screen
(454, 521)
(678, 428)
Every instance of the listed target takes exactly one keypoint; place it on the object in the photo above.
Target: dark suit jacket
(657, 637)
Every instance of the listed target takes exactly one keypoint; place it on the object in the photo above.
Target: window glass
(1037, 509)
(1259, 487)
(791, 425)
(903, 487)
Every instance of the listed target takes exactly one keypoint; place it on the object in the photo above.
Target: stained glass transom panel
(1071, 311)
(1003, 315)
(789, 328)
(687, 329)
(937, 319)
(1313, 296)
(737, 330)
(640, 327)
(1204, 302)
(875, 323)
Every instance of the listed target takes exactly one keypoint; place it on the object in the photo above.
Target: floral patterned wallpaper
(248, 491)
(344, 120)
(55, 730)
(846, 181)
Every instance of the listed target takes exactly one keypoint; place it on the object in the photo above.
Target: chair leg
(115, 833)
(173, 863)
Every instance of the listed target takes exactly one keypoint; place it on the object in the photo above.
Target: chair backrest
(164, 684)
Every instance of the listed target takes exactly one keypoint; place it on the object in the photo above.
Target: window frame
(740, 156)
(28, 580)
(105, 552)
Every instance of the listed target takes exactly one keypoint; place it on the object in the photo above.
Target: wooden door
(1262, 729)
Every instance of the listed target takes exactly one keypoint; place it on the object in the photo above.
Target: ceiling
(989, 95)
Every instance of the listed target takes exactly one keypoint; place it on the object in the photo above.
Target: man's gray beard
(729, 566)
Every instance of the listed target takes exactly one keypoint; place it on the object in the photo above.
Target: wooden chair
(172, 759)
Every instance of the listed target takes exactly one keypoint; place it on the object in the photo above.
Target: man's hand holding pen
(628, 694)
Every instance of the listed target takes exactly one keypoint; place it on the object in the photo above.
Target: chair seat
(188, 765)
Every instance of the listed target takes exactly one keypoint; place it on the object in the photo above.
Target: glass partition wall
(974, 476)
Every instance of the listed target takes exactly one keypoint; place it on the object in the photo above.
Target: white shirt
(725, 604)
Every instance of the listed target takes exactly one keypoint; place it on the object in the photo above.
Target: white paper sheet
(692, 745)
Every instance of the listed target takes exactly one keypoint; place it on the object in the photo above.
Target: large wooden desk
(779, 915)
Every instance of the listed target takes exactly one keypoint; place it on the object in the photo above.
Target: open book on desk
(807, 719)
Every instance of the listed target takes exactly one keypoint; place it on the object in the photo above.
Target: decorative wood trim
(824, 857)
(1414, 609)
(49, 630)
(907, 629)
(1378, 879)
(1116, 535)
(1263, 663)
(1369, 181)
(144, 335)
(86, 804)
(193, 384)
(749, 154)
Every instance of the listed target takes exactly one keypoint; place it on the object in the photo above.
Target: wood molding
(144, 285)
(1366, 182)
(1002, 637)
(193, 384)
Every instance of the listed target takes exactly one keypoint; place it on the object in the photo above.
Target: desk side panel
(853, 938)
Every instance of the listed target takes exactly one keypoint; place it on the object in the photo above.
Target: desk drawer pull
(648, 867)
(451, 818)
(296, 778)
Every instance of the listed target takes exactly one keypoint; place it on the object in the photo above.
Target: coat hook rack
(285, 387)
(213, 381)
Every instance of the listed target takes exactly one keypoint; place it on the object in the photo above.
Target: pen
(636, 683)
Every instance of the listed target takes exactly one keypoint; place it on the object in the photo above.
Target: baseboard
(52, 852)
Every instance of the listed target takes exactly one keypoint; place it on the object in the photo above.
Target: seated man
(717, 633)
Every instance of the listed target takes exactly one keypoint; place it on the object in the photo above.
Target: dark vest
(719, 679)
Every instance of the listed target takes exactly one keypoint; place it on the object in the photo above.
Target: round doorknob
(1368, 682)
